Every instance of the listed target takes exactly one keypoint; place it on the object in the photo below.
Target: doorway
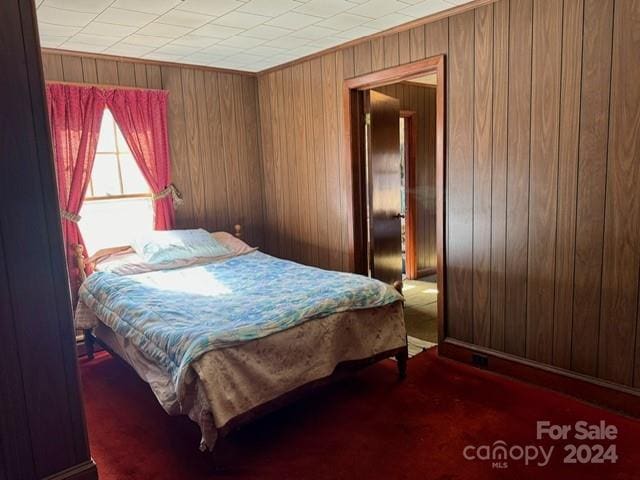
(395, 135)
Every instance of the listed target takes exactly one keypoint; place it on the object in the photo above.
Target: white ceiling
(249, 35)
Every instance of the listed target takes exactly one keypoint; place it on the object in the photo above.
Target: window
(118, 205)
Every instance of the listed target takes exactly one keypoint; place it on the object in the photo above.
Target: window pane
(132, 179)
(122, 143)
(104, 176)
(107, 140)
(116, 222)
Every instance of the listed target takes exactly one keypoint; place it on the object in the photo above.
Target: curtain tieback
(171, 189)
(72, 217)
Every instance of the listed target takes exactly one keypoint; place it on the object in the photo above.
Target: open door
(383, 161)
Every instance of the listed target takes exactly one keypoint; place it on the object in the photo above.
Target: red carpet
(369, 427)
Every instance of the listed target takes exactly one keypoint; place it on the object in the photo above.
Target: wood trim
(117, 58)
(397, 29)
(351, 146)
(583, 387)
(426, 272)
(83, 471)
(418, 84)
(101, 85)
(411, 134)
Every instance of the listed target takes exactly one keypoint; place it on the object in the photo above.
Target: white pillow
(164, 246)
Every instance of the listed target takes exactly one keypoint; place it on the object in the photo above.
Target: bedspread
(176, 316)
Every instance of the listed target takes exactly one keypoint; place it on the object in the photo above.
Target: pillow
(124, 260)
(170, 245)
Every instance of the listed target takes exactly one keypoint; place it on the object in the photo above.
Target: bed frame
(90, 340)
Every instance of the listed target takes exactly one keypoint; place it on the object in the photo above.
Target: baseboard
(599, 392)
(83, 471)
(426, 272)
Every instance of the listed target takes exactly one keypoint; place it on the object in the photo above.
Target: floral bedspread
(175, 316)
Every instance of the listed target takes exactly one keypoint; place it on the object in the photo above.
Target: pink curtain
(75, 115)
(142, 117)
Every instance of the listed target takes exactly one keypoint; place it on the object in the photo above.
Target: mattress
(224, 384)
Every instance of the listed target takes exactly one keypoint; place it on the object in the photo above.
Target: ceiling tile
(210, 7)
(148, 6)
(82, 47)
(244, 58)
(66, 18)
(269, 8)
(241, 20)
(100, 40)
(304, 51)
(266, 32)
(180, 50)
(108, 29)
(184, 18)
(327, 42)
(192, 40)
(147, 40)
(86, 6)
(265, 51)
(241, 42)
(50, 29)
(221, 50)
(425, 8)
(389, 21)
(162, 57)
(293, 20)
(324, 8)
(248, 35)
(286, 42)
(128, 50)
(356, 32)
(313, 32)
(377, 8)
(164, 30)
(217, 31)
(125, 17)
(344, 21)
(52, 41)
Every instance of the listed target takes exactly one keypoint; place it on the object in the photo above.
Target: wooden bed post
(403, 356)
(89, 339)
(238, 229)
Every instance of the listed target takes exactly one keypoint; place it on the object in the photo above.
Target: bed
(226, 339)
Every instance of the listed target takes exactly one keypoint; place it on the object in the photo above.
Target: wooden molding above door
(352, 99)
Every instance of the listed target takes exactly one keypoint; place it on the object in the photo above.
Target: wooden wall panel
(213, 135)
(618, 333)
(543, 181)
(518, 131)
(459, 182)
(42, 425)
(567, 180)
(541, 149)
(482, 160)
(594, 118)
(499, 171)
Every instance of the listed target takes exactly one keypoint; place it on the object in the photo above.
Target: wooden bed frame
(401, 354)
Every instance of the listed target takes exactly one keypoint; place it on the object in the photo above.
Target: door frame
(354, 153)
(409, 160)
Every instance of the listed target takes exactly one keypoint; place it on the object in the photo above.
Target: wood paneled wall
(213, 135)
(543, 168)
(42, 425)
(422, 100)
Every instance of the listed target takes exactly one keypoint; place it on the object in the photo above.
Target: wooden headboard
(82, 263)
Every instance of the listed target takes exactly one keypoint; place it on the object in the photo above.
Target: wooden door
(383, 161)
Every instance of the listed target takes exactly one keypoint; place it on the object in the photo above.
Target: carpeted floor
(369, 427)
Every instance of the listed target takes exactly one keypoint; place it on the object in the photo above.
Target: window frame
(89, 195)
